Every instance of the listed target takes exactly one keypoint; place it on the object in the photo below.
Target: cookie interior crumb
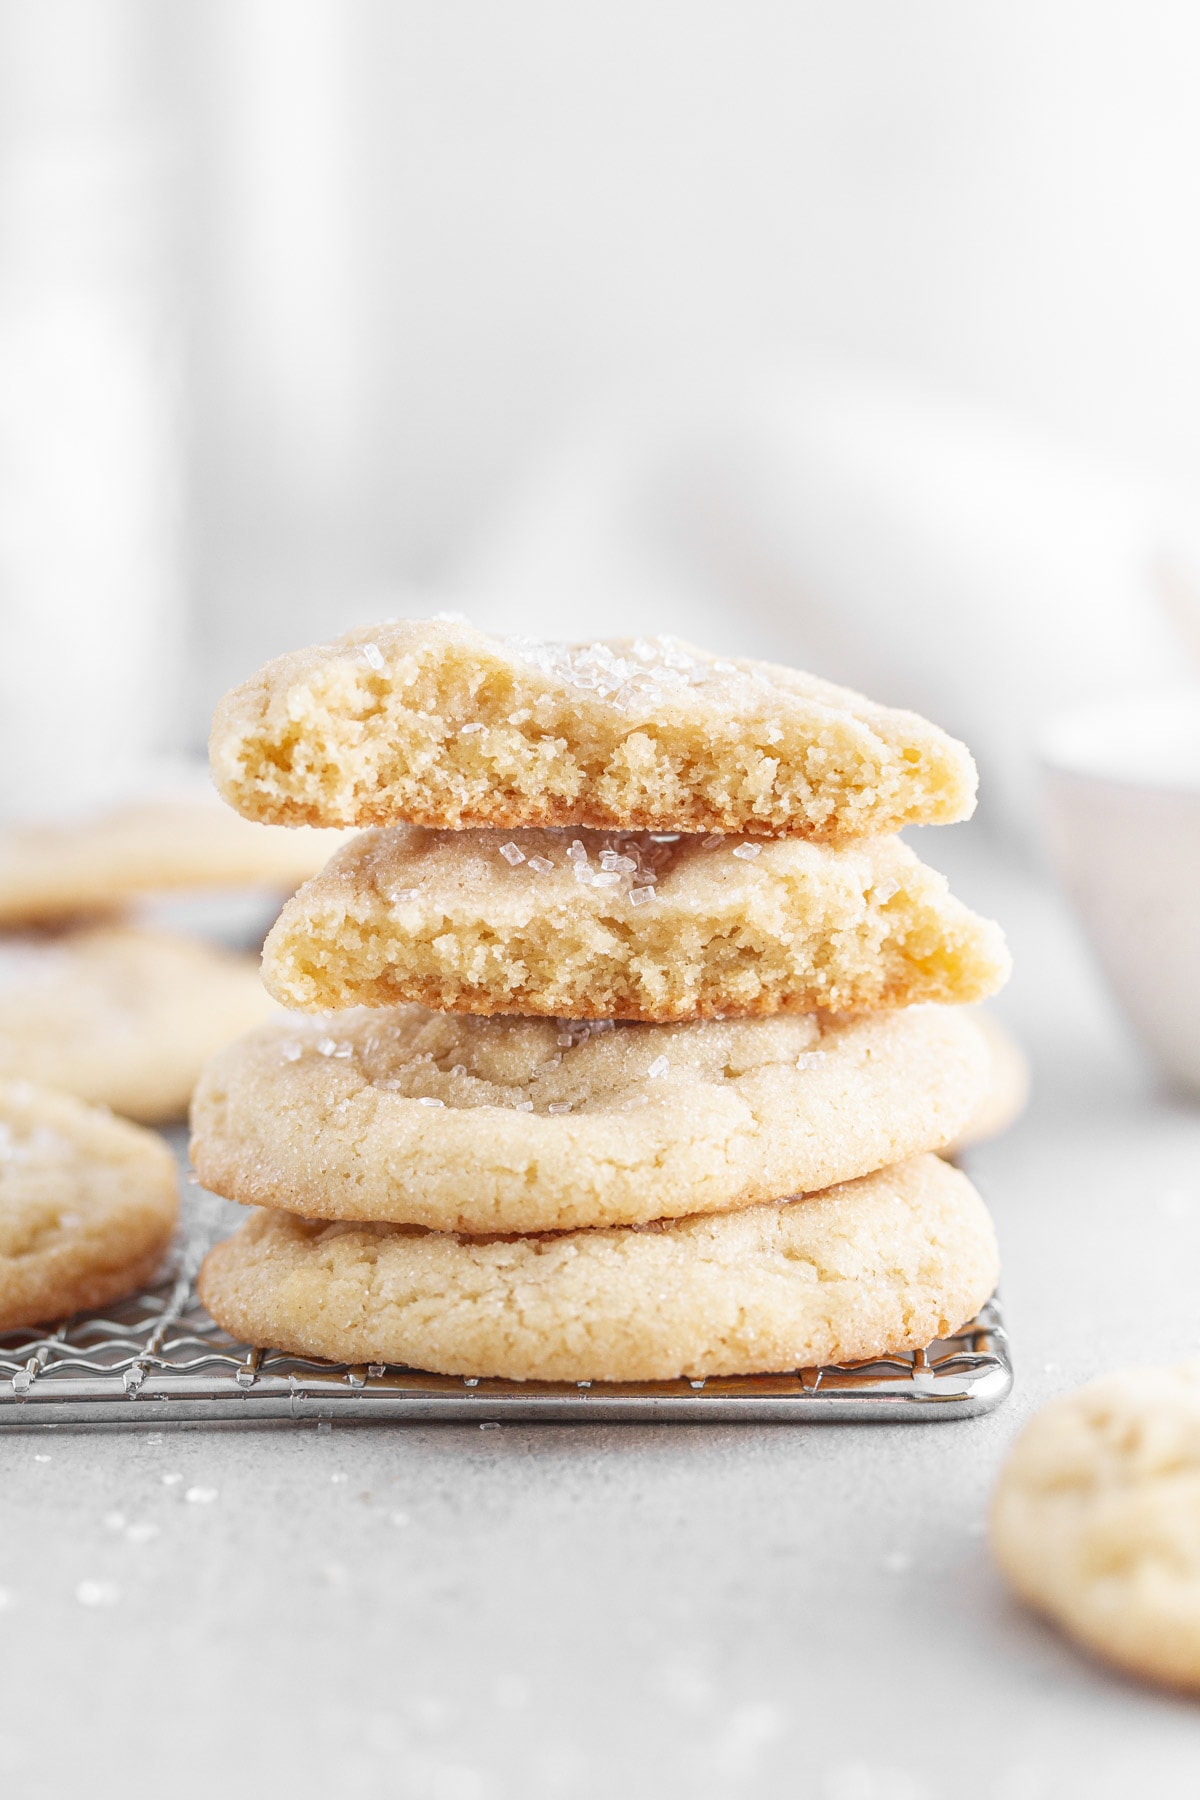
(434, 723)
(627, 925)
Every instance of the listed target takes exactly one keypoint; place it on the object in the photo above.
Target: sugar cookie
(433, 723)
(88, 1204)
(485, 1125)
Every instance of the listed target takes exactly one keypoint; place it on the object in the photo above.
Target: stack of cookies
(618, 1049)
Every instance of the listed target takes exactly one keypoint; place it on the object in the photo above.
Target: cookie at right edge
(1096, 1519)
(878, 1266)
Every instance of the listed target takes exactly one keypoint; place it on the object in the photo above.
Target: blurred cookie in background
(182, 859)
(88, 1204)
(122, 1016)
(1007, 1093)
(1096, 1519)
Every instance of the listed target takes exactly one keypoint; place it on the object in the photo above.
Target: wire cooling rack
(158, 1358)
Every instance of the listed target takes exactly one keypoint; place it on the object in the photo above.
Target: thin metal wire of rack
(158, 1358)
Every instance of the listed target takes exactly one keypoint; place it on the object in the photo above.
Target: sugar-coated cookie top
(433, 722)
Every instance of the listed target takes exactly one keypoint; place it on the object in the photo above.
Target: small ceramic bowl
(1121, 792)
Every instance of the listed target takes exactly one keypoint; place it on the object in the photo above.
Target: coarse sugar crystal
(541, 865)
(747, 851)
(430, 1100)
(373, 655)
(639, 896)
(512, 853)
(657, 1068)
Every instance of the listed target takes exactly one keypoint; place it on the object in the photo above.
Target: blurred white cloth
(926, 552)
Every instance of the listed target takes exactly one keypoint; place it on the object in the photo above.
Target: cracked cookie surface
(882, 1265)
(483, 1125)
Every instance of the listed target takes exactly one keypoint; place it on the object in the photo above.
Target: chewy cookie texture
(1096, 1519)
(88, 1204)
(498, 1125)
(896, 1259)
(626, 925)
(437, 724)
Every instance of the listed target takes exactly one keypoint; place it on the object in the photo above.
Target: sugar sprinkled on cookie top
(442, 725)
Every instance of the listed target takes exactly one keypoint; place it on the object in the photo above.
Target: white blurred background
(859, 334)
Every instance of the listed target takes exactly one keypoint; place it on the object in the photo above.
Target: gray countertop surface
(456, 1613)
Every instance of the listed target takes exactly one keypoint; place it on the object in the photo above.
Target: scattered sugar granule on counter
(115, 1521)
(398, 1518)
(658, 1067)
(747, 851)
(512, 853)
(171, 1480)
(200, 1496)
(141, 1531)
(40, 1456)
